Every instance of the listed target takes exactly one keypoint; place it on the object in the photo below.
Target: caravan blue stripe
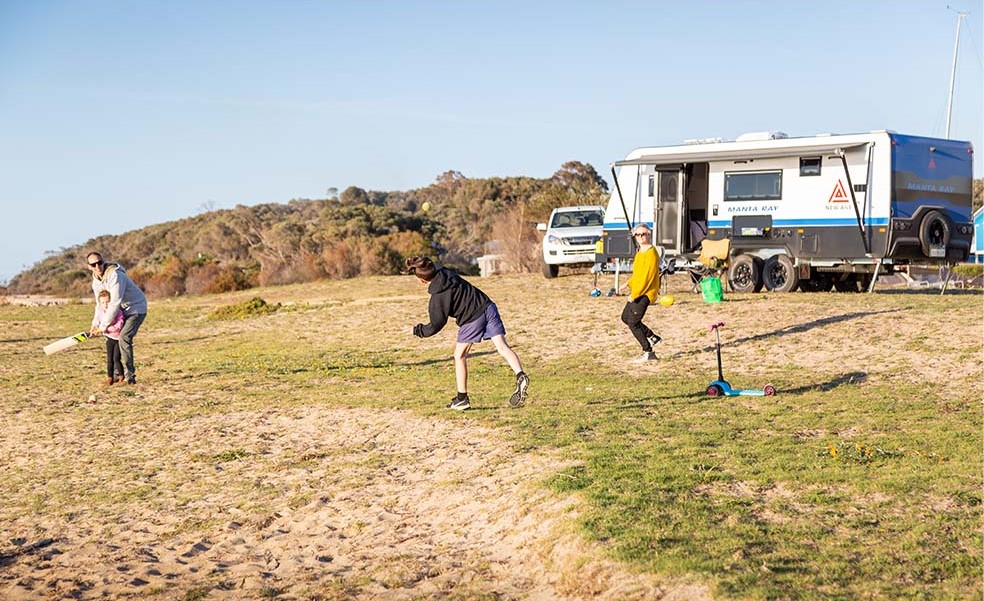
(808, 222)
(778, 223)
(623, 226)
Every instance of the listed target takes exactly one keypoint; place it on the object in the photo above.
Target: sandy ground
(385, 504)
(416, 509)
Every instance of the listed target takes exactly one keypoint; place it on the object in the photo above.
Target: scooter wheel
(714, 390)
(769, 390)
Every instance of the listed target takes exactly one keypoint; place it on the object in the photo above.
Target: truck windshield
(578, 219)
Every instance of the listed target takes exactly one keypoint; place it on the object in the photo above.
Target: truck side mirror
(542, 227)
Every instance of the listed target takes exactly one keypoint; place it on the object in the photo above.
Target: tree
(353, 196)
(518, 242)
(357, 232)
(581, 180)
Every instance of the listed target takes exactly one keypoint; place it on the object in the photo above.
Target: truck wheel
(745, 274)
(550, 271)
(779, 274)
(934, 232)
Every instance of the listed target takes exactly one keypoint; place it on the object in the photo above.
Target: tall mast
(953, 74)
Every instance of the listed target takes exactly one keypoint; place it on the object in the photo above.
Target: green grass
(254, 307)
(690, 487)
(862, 478)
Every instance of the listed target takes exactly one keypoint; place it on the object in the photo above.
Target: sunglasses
(96, 264)
(641, 234)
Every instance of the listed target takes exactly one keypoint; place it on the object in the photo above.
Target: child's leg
(507, 353)
(117, 359)
(461, 365)
(110, 346)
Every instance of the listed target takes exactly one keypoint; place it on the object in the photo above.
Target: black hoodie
(451, 296)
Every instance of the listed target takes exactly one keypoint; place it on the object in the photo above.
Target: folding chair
(713, 258)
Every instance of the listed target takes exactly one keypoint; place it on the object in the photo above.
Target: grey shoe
(646, 357)
(518, 398)
(459, 404)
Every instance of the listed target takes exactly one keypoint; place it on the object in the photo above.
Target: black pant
(114, 362)
(632, 316)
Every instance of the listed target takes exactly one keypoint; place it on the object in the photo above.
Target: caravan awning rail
(701, 154)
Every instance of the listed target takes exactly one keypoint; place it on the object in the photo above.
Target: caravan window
(809, 166)
(759, 185)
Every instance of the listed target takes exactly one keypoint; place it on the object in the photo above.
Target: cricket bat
(60, 345)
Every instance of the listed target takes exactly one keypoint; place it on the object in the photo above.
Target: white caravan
(812, 213)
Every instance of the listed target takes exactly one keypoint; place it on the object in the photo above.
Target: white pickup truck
(570, 237)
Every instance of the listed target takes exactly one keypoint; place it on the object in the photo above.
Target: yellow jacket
(645, 275)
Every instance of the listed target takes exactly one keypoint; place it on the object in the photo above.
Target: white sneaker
(646, 357)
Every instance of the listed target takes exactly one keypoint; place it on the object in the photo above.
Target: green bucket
(711, 289)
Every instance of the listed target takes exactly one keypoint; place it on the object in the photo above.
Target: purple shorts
(484, 327)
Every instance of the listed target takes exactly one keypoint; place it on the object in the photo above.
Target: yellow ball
(666, 300)
(425, 207)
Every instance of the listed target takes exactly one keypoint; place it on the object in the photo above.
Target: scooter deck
(722, 388)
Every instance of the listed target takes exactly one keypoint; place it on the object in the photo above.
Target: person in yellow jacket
(643, 288)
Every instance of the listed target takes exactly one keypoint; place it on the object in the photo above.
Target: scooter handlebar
(717, 325)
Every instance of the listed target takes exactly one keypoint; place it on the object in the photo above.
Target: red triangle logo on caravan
(838, 195)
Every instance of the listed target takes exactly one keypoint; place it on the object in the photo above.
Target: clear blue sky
(116, 114)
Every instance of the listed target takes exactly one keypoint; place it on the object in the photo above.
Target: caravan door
(669, 209)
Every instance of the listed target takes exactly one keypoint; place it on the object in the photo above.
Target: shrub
(407, 244)
(160, 284)
(341, 260)
(161, 275)
(213, 278)
(253, 307)
(305, 267)
(969, 271)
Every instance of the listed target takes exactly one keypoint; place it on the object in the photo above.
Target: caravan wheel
(745, 274)
(779, 274)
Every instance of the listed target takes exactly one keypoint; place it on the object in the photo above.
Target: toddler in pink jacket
(114, 363)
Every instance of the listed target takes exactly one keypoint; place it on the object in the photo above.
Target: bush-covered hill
(357, 232)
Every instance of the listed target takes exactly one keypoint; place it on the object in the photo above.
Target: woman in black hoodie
(477, 318)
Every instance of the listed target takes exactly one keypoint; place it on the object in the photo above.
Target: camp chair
(713, 260)
(714, 253)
